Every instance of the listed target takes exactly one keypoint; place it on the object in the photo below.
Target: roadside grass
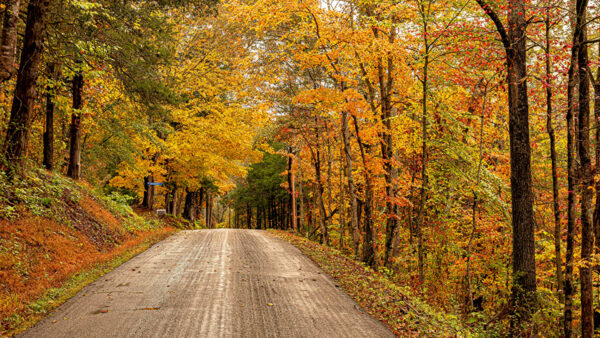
(394, 305)
(25, 315)
(56, 236)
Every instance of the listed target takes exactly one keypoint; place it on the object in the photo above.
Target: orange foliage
(39, 253)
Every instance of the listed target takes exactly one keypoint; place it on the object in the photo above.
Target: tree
(514, 42)
(8, 44)
(17, 135)
(74, 170)
(48, 161)
(580, 54)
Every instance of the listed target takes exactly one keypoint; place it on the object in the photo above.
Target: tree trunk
(17, 134)
(475, 200)
(524, 279)
(341, 205)
(191, 206)
(49, 132)
(553, 159)
(236, 218)
(368, 252)
(386, 84)
(523, 255)
(8, 45)
(300, 195)
(292, 198)
(322, 212)
(323, 223)
(319, 190)
(248, 217)
(597, 117)
(74, 170)
(171, 201)
(587, 180)
(424, 179)
(148, 192)
(351, 187)
(571, 212)
(200, 197)
(208, 210)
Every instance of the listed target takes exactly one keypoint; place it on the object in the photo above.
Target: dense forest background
(451, 145)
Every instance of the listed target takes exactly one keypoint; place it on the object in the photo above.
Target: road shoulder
(385, 301)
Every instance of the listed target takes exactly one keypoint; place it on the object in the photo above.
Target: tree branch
(494, 17)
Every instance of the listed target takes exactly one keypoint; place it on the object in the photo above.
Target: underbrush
(56, 236)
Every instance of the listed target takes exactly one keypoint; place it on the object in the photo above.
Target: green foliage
(123, 199)
(52, 195)
(263, 182)
(8, 212)
(38, 192)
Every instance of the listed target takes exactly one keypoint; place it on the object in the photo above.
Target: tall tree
(553, 157)
(523, 254)
(74, 169)
(585, 174)
(48, 161)
(350, 178)
(17, 135)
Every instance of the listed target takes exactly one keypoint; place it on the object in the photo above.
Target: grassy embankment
(56, 236)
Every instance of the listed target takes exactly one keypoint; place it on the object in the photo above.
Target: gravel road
(213, 283)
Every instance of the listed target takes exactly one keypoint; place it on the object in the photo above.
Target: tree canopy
(448, 144)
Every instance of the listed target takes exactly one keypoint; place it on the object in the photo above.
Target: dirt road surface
(213, 283)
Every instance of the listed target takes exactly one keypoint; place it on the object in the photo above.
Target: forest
(452, 146)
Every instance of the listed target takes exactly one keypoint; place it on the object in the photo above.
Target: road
(213, 283)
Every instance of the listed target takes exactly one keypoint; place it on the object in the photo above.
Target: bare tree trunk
(8, 44)
(17, 135)
(74, 170)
